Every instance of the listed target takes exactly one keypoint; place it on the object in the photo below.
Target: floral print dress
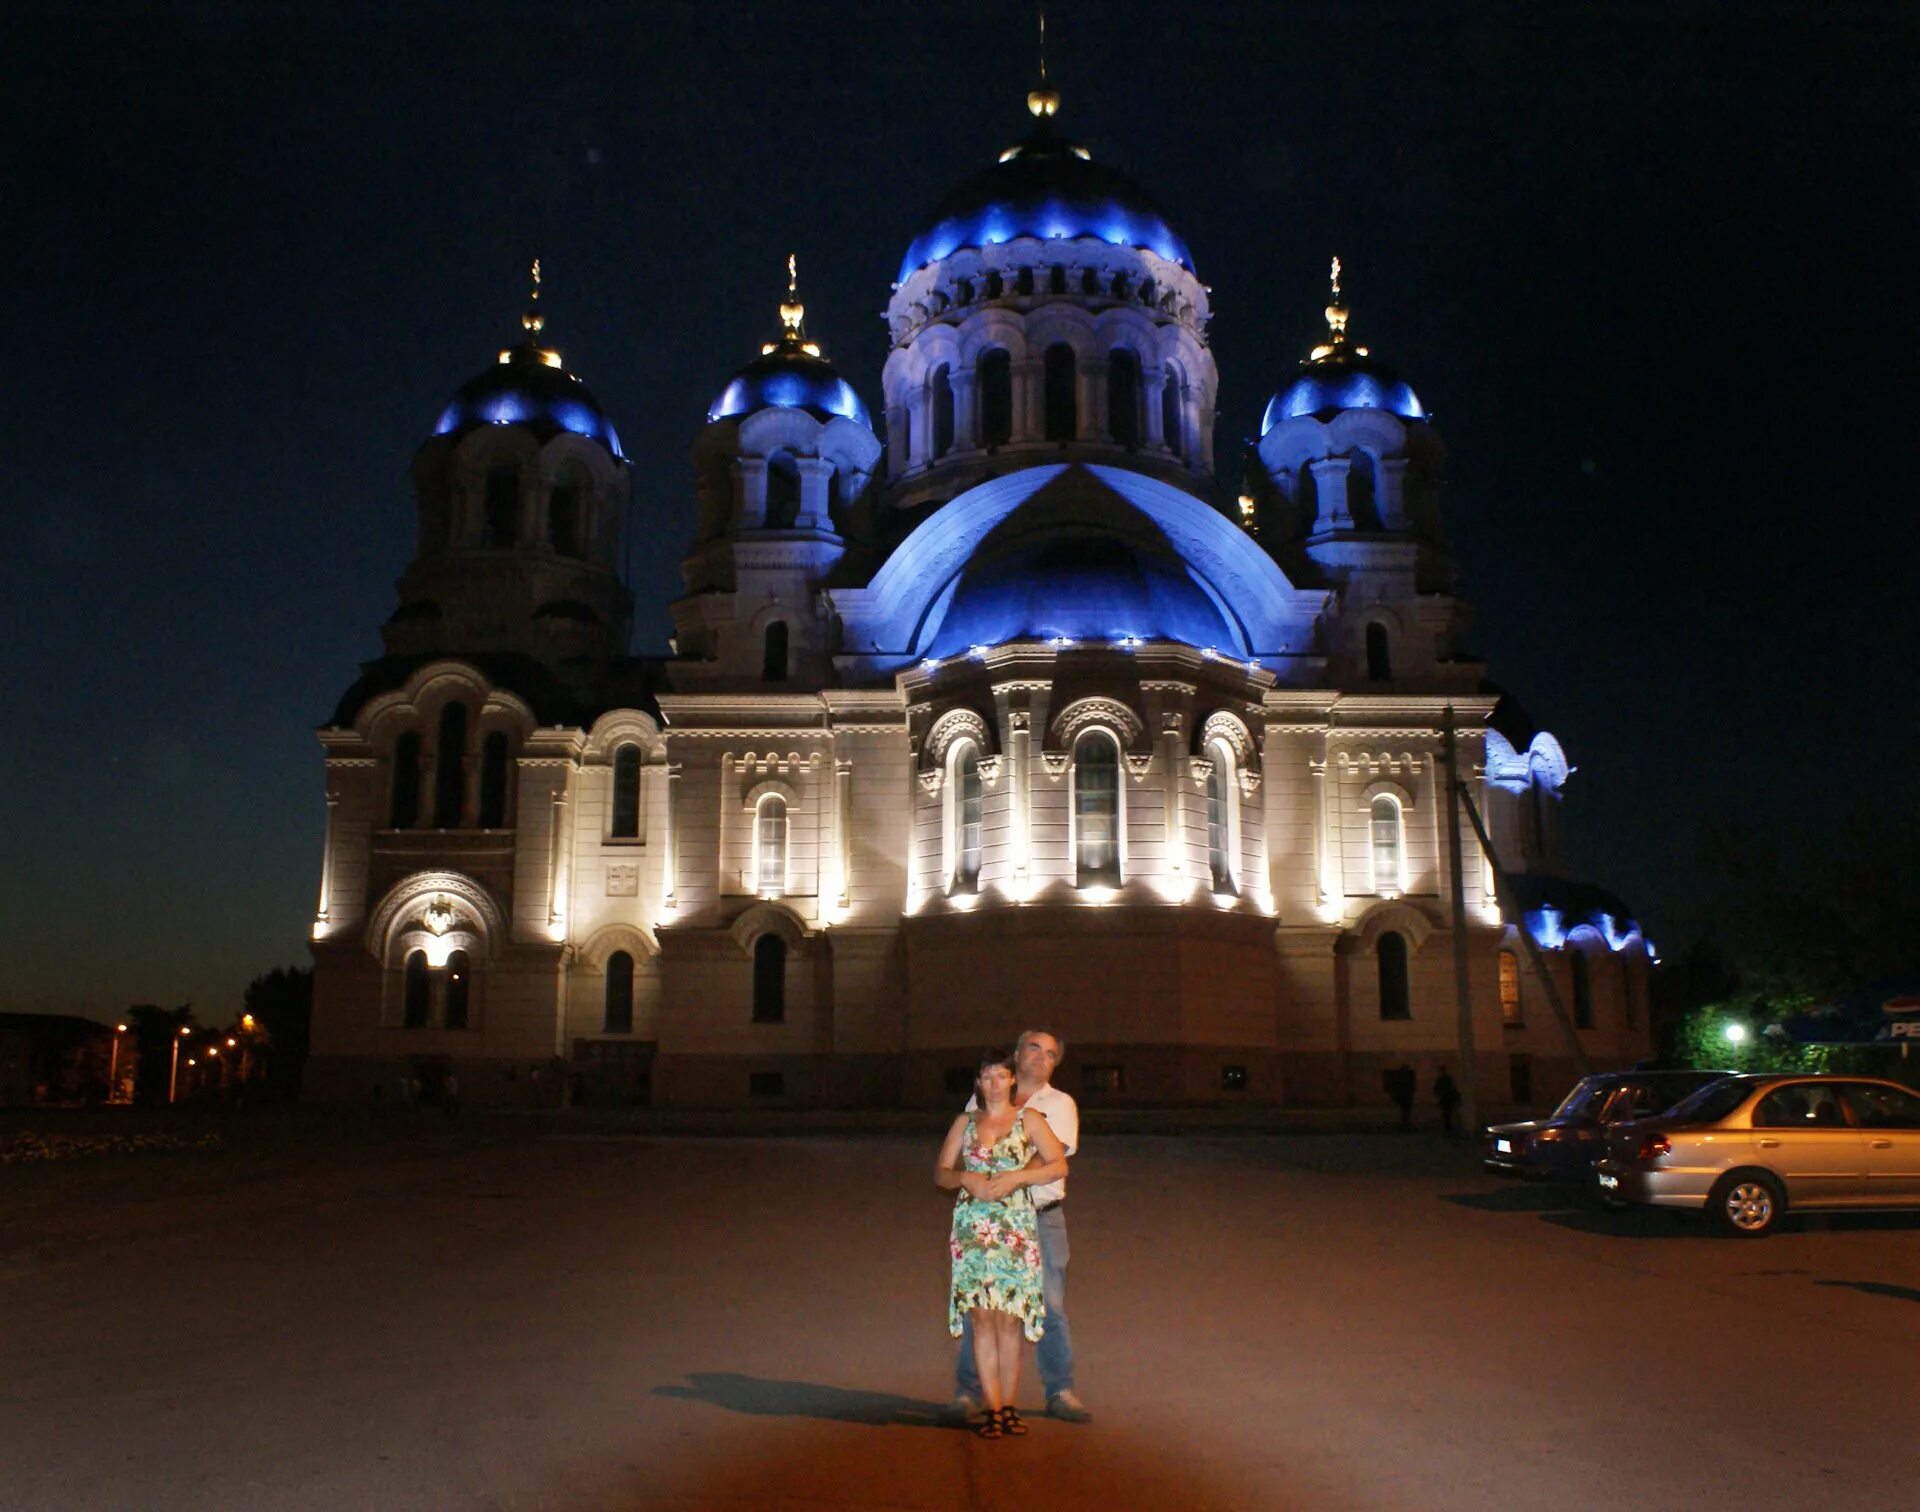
(996, 1244)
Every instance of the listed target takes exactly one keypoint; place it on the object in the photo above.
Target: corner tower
(1047, 312)
(522, 490)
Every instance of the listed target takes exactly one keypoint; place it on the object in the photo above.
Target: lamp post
(113, 1067)
(173, 1074)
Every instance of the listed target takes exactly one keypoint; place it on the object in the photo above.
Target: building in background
(997, 711)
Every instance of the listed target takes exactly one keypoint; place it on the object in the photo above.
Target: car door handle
(1879, 1144)
(1768, 1144)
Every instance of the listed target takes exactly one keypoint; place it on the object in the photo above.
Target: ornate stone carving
(932, 778)
(1096, 711)
(990, 769)
(1139, 764)
(1055, 762)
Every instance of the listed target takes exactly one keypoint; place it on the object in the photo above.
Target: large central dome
(1048, 188)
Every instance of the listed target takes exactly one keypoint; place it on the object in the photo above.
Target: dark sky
(1652, 266)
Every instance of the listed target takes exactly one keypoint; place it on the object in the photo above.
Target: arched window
(459, 989)
(1096, 810)
(1057, 279)
(618, 1018)
(1396, 998)
(450, 767)
(403, 811)
(1118, 288)
(1023, 281)
(566, 515)
(940, 402)
(783, 491)
(1360, 501)
(993, 385)
(1379, 654)
(773, 652)
(503, 504)
(1509, 987)
(770, 845)
(770, 980)
(1170, 418)
(625, 816)
(996, 286)
(1306, 499)
(418, 994)
(1389, 868)
(1146, 292)
(1062, 404)
(1220, 816)
(1582, 987)
(1123, 397)
(965, 814)
(493, 781)
(963, 291)
(1090, 281)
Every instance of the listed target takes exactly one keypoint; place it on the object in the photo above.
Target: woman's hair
(994, 1055)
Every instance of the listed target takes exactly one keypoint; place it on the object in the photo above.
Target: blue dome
(1342, 382)
(788, 378)
(524, 388)
(1086, 588)
(1045, 188)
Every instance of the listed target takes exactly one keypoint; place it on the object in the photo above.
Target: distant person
(1448, 1096)
(1401, 1083)
(993, 1157)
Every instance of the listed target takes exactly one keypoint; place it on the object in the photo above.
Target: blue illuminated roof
(1090, 589)
(1344, 381)
(1045, 189)
(788, 378)
(526, 390)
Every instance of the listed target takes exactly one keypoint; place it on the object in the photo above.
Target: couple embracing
(1006, 1159)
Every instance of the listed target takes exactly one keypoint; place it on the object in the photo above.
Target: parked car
(1564, 1145)
(1749, 1149)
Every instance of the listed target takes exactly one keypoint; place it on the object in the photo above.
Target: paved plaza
(605, 1320)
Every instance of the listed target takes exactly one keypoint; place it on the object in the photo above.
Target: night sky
(1652, 267)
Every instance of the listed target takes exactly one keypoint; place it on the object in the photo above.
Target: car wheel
(1746, 1204)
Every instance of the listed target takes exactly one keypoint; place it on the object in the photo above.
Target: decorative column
(1152, 381)
(966, 424)
(1091, 376)
(556, 862)
(1172, 756)
(749, 493)
(670, 840)
(843, 830)
(1330, 485)
(1017, 827)
(920, 428)
(1029, 399)
(896, 442)
(1390, 496)
(815, 508)
(324, 912)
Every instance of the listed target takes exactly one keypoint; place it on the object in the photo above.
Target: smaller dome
(788, 377)
(527, 386)
(1081, 588)
(1346, 380)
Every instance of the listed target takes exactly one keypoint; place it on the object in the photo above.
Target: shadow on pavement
(1878, 1289)
(1517, 1197)
(805, 1399)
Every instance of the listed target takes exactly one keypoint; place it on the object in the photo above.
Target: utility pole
(1462, 987)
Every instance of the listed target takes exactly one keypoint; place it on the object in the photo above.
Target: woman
(990, 1158)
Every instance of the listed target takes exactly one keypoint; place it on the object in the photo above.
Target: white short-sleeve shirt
(1062, 1114)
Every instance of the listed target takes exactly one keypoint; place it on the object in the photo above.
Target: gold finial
(1336, 321)
(1044, 101)
(533, 322)
(792, 312)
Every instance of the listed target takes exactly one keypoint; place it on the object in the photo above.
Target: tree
(281, 1003)
(155, 1030)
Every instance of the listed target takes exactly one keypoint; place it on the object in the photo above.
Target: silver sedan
(1749, 1148)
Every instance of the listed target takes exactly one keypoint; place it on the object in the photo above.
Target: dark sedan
(1564, 1145)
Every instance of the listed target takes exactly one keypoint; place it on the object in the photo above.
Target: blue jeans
(1056, 1341)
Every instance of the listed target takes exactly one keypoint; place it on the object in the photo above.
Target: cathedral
(985, 708)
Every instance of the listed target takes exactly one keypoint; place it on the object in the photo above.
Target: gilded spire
(1336, 321)
(533, 323)
(1044, 101)
(792, 313)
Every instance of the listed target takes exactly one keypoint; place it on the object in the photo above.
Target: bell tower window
(503, 504)
(1379, 654)
(404, 810)
(493, 781)
(626, 794)
(1062, 404)
(566, 516)
(773, 653)
(994, 379)
(450, 767)
(783, 491)
(1123, 397)
(940, 401)
(1170, 417)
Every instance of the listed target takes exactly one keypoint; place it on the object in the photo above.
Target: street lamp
(113, 1067)
(1736, 1034)
(173, 1074)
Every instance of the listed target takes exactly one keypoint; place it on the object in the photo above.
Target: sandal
(1010, 1423)
(989, 1426)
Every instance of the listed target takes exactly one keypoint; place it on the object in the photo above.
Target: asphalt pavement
(1304, 1321)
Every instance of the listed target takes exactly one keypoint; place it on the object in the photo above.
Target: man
(1035, 1057)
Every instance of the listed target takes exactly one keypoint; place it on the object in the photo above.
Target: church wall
(879, 800)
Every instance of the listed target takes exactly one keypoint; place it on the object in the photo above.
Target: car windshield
(1712, 1102)
(1585, 1099)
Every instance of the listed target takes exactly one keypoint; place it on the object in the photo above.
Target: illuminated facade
(1010, 716)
